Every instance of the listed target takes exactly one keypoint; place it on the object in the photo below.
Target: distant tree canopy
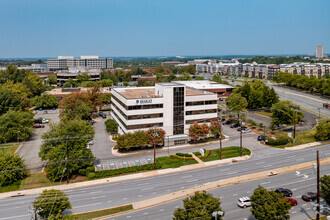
(45, 101)
(274, 60)
(257, 94)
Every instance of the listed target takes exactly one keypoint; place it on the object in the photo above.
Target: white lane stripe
(147, 188)
(98, 197)
(18, 216)
(190, 181)
(81, 206)
(231, 173)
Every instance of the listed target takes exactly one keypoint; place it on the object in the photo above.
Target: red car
(292, 201)
(38, 126)
(310, 196)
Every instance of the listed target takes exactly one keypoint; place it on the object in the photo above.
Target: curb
(122, 178)
(19, 147)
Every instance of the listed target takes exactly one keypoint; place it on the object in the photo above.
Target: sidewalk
(140, 205)
(303, 146)
(123, 178)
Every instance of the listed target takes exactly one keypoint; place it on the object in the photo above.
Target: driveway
(29, 150)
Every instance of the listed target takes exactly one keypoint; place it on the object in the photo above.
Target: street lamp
(220, 123)
(215, 214)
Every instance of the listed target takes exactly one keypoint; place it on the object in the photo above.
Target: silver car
(246, 130)
(244, 202)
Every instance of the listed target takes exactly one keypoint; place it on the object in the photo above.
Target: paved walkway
(303, 146)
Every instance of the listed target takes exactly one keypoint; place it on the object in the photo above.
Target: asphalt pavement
(114, 194)
(230, 194)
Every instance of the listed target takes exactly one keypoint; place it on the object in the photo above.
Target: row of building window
(198, 112)
(189, 122)
(136, 117)
(210, 102)
(137, 107)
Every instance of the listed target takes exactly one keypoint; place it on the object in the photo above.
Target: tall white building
(319, 51)
(170, 106)
(89, 62)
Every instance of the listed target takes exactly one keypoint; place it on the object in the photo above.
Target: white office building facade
(173, 107)
(90, 62)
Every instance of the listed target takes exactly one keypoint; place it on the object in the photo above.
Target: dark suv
(234, 125)
(226, 122)
(286, 192)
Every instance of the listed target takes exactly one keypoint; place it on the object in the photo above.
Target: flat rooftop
(149, 92)
(58, 91)
(205, 84)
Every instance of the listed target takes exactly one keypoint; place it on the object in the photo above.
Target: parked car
(234, 125)
(324, 208)
(286, 192)
(45, 121)
(239, 129)
(262, 137)
(226, 122)
(244, 202)
(292, 201)
(309, 196)
(246, 130)
(38, 126)
(104, 116)
(91, 122)
(45, 112)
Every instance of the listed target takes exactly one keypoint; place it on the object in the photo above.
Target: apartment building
(170, 106)
(319, 52)
(214, 68)
(91, 62)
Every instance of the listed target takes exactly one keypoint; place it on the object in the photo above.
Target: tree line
(303, 82)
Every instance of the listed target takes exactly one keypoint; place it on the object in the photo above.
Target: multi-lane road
(103, 196)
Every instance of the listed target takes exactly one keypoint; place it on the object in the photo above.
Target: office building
(90, 62)
(170, 106)
(319, 52)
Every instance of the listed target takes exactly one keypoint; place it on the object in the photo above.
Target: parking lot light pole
(241, 134)
(220, 124)
(318, 186)
(294, 126)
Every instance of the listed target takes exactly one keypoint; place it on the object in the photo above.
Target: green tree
(88, 84)
(12, 100)
(12, 169)
(52, 79)
(83, 77)
(111, 125)
(236, 103)
(16, 124)
(217, 78)
(269, 205)
(199, 206)
(70, 83)
(283, 113)
(323, 131)
(34, 83)
(185, 76)
(199, 78)
(45, 101)
(74, 135)
(106, 98)
(51, 203)
(325, 188)
(106, 82)
(197, 131)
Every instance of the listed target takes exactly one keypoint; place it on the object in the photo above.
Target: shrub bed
(280, 139)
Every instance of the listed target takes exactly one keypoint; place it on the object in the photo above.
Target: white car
(44, 121)
(244, 202)
(246, 130)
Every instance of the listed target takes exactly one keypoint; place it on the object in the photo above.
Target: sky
(110, 28)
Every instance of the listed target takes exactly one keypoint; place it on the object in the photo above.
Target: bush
(261, 125)
(12, 169)
(280, 139)
(183, 155)
(90, 169)
(82, 172)
(111, 125)
(323, 132)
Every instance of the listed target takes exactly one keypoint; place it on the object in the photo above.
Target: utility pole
(240, 142)
(318, 186)
(294, 126)
(168, 145)
(220, 124)
(67, 160)
(154, 147)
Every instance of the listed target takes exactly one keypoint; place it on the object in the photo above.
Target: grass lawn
(170, 162)
(103, 212)
(227, 152)
(8, 148)
(264, 113)
(36, 180)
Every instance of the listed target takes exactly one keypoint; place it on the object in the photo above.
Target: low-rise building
(91, 62)
(170, 106)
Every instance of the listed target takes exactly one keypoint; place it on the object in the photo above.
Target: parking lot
(117, 165)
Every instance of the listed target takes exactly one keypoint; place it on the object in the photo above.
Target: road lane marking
(98, 197)
(264, 183)
(294, 189)
(81, 206)
(124, 198)
(291, 156)
(161, 210)
(231, 173)
(146, 213)
(295, 94)
(109, 201)
(190, 181)
(270, 165)
(147, 188)
(235, 195)
(260, 163)
(304, 204)
(94, 192)
(139, 195)
(186, 176)
(18, 216)
(294, 212)
(128, 216)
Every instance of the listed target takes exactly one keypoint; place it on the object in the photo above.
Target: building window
(178, 110)
(179, 142)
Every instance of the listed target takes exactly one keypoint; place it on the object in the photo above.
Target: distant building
(169, 63)
(149, 69)
(36, 68)
(91, 62)
(59, 93)
(319, 52)
(72, 73)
